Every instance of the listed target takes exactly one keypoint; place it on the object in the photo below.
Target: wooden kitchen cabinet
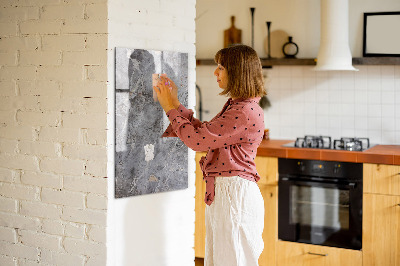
(381, 215)
(381, 179)
(298, 254)
(267, 168)
(270, 233)
(200, 207)
(381, 230)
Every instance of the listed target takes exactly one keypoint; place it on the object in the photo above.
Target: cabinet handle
(398, 204)
(318, 254)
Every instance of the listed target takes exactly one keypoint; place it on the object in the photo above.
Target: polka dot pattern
(231, 139)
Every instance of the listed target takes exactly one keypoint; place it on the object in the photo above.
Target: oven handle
(297, 181)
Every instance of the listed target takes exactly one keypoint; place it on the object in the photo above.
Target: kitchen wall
(339, 104)
(53, 106)
(156, 229)
(297, 18)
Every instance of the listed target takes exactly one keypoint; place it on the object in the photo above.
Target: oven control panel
(330, 169)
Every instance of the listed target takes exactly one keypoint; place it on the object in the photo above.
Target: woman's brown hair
(245, 78)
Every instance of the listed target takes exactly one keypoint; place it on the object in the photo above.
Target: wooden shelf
(312, 61)
(288, 62)
(268, 63)
(376, 61)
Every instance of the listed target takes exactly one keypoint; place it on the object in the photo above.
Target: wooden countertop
(379, 154)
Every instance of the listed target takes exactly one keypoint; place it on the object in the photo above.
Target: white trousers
(234, 223)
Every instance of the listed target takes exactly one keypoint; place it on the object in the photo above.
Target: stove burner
(308, 141)
(351, 144)
(324, 142)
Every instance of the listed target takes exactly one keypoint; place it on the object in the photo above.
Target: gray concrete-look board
(145, 163)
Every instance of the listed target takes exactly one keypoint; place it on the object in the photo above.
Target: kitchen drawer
(298, 254)
(381, 179)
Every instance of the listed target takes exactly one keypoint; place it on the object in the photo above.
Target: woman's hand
(164, 94)
(174, 91)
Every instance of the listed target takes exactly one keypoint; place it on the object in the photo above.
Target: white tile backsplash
(347, 110)
(388, 97)
(397, 123)
(374, 110)
(361, 110)
(361, 123)
(348, 96)
(310, 108)
(364, 103)
(388, 83)
(387, 110)
(322, 95)
(374, 97)
(374, 123)
(322, 109)
(374, 83)
(387, 124)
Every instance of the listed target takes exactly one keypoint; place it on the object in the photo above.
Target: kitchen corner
(323, 206)
(370, 206)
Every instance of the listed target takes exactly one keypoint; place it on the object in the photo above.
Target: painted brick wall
(53, 105)
(156, 229)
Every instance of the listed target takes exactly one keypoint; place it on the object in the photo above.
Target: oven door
(321, 212)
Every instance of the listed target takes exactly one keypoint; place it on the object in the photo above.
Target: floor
(199, 262)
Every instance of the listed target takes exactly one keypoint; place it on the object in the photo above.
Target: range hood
(334, 51)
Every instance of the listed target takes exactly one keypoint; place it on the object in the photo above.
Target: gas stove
(325, 142)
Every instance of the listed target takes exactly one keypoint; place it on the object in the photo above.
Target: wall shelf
(312, 61)
(376, 61)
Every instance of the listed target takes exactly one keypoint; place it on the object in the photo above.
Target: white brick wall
(53, 110)
(53, 128)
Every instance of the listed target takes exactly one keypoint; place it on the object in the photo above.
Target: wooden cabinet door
(267, 168)
(297, 254)
(381, 230)
(381, 179)
(200, 207)
(270, 233)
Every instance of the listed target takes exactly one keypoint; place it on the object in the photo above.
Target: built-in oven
(320, 202)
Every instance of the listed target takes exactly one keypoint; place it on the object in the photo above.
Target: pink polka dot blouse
(231, 139)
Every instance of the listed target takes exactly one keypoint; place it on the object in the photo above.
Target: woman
(235, 207)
